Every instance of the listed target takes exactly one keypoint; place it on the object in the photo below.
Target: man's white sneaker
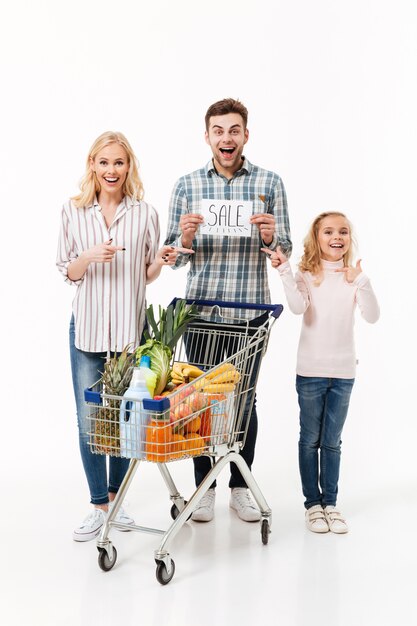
(122, 518)
(335, 520)
(244, 506)
(91, 526)
(316, 520)
(205, 510)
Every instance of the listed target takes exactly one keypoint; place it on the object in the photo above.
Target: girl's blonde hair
(89, 184)
(311, 259)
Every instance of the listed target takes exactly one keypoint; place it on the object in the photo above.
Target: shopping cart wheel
(162, 575)
(265, 530)
(103, 559)
(175, 511)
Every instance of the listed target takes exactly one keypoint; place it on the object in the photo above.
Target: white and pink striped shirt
(109, 306)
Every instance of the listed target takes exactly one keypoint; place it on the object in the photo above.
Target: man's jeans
(224, 348)
(324, 404)
(86, 370)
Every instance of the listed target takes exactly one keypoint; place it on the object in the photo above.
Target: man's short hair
(223, 107)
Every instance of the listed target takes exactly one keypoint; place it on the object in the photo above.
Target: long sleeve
(296, 291)
(279, 208)
(152, 236)
(66, 249)
(366, 299)
(178, 206)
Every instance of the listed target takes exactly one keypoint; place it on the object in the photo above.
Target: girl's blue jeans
(324, 404)
(86, 370)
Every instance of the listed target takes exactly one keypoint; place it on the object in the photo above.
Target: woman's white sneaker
(91, 526)
(316, 520)
(335, 520)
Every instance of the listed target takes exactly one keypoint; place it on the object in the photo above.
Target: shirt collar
(245, 169)
(331, 265)
(128, 202)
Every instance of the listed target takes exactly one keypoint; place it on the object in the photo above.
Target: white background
(332, 98)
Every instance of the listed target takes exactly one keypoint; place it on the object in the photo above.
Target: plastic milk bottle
(133, 419)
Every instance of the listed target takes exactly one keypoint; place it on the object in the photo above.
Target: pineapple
(172, 323)
(115, 381)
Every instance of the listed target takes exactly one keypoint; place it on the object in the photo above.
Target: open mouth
(336, 245)
(110, 180)
(227, 151)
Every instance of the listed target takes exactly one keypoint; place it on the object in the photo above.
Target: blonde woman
(326, 291)
(108, 249)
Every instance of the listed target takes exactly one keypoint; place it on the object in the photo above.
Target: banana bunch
(221, 379)
(184, 372)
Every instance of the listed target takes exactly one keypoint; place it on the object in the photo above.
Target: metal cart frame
(234, 408)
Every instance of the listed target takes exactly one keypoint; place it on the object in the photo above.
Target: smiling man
(226, 212)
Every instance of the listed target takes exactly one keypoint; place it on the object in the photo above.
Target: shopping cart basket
(208, 415)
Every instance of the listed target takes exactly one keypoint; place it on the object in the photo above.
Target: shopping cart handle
(276, 309)
(91, 396)
(149, 404)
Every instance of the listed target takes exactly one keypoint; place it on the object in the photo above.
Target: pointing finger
(184, 250)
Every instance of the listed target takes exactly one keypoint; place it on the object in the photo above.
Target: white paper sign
(229, 218)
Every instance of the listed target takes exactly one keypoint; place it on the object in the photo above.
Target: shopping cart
(208, 414)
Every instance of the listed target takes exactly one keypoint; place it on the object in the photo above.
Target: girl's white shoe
(335, 520)
(316, 520)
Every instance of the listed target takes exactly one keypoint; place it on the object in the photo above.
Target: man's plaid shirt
(229, 268)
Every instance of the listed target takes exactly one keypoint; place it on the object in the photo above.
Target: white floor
(223, 572)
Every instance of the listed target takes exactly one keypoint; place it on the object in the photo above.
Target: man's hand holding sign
(266, 224)
(189, 224)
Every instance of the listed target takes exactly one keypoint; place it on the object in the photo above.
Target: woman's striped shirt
(109, 305)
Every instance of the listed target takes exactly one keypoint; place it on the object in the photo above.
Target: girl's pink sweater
(326, 347)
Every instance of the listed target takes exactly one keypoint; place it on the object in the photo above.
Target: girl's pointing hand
(277, 256)
(351, 272)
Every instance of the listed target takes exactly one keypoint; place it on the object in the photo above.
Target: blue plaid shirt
(229, 268)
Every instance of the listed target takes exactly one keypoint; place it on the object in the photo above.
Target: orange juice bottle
(158, 438)
(205, 428)
(218, 416)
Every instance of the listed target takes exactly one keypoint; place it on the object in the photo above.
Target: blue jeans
(224, 348)
(324, 404)
(86, 370)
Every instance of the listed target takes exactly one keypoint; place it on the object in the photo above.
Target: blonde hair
(89, 184)
(311, 259)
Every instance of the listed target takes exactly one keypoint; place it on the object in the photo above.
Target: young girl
(326, 291)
